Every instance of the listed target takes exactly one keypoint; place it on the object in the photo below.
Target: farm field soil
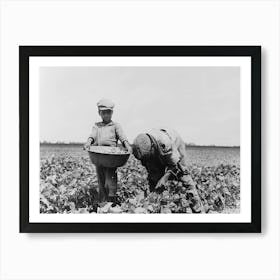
(68, 183)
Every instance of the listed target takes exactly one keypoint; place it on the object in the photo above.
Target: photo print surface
(192, 110)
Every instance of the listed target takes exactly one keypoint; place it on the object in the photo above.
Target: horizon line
(82, 143)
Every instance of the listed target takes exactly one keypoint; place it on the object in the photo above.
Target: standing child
(107, 133)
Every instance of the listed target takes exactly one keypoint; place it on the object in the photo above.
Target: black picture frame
(254, 52)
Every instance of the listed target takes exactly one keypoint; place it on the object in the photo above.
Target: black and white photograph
(120, 137)
(140, 140)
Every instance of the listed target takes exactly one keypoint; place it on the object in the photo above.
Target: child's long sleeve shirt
(107, 134)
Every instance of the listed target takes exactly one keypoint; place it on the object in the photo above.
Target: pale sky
(201, 103)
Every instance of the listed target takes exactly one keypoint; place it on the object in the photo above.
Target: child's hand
(128, 147)
(88, 143)
(129, 150)
(86, 146)
(163, 180)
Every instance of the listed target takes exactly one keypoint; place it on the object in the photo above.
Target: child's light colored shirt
(107, 134)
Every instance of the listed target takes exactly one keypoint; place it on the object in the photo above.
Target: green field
(68, 182)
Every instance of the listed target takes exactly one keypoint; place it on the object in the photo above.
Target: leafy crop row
(68, 184)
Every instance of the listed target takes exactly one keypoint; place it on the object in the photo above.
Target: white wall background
(139, 256)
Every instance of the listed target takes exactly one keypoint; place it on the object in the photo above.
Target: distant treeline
(61, 143)
(188, 145)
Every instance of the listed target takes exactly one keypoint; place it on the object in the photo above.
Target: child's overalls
(171, 152)
(107, 135)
